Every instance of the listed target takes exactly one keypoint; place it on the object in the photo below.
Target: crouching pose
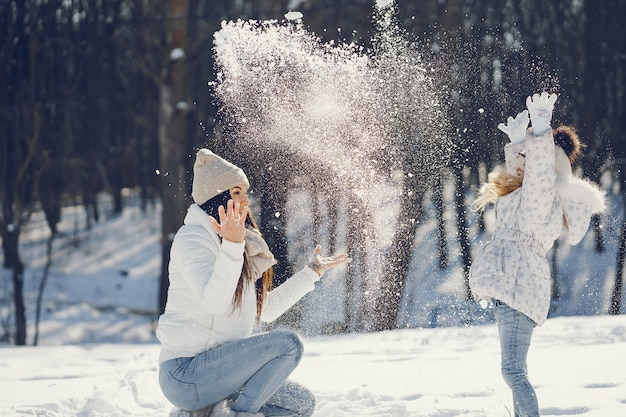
(536, 200)
(220, 275)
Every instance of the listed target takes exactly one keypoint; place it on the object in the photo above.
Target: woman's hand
(321, 265)
(232, 224)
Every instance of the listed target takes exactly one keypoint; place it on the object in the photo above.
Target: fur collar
(579, 190)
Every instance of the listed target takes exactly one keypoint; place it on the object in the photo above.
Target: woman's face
(238, 193)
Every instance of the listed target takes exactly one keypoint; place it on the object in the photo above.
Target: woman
(220, 287)
(536, 200)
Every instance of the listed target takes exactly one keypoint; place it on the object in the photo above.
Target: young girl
(536, 200)
(220, 285)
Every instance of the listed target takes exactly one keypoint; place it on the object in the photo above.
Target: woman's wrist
(315, 268)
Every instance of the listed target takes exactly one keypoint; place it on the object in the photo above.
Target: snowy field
(576, 363)
(97, 355)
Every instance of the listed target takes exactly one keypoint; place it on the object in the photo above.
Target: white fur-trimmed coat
(203, 274)
(512, 267)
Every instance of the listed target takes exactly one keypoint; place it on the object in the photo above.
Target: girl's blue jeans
(515, 333)
(252, 372)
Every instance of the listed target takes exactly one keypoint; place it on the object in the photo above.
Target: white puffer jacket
(513, 267)
(203, 274)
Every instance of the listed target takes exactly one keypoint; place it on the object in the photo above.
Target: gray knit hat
(213, 175)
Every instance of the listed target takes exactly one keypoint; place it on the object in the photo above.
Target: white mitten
(540, 108)
(516, 128)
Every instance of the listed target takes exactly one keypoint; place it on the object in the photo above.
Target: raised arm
(538, 186)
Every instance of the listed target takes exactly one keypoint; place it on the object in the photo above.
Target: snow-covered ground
(576, 363)
(97, 354)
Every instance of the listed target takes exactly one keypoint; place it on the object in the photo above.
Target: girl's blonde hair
(499, 183)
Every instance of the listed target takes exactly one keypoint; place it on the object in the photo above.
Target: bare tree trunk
(598, 233)
(42, 284)
(20, 308)
(173, 162)
(399, 257)
(174, 144)
(18, 286)
(441, 223)
(332, 205)
(616, 296)
(19, 150)
(355, 302)
(461, 221)
(315, 213)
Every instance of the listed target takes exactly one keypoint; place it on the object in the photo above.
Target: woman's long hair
(263, 285)
(499, 183)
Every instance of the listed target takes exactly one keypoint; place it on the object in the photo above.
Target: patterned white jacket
(203, 274)
(513, 267)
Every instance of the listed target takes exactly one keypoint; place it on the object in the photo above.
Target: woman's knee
(183, 395)
(292, 342)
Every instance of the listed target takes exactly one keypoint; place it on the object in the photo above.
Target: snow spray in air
(370, 118)
(338, 105)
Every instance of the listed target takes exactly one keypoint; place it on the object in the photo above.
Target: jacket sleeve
(288, 293)
(577, 217)
(210, 270)
(581, 199)
(511, 151)
(538, 193)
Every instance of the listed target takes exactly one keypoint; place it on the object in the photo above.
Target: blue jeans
(515, 333)
(252, 372)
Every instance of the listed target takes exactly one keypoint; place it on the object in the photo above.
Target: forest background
(96, 101)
